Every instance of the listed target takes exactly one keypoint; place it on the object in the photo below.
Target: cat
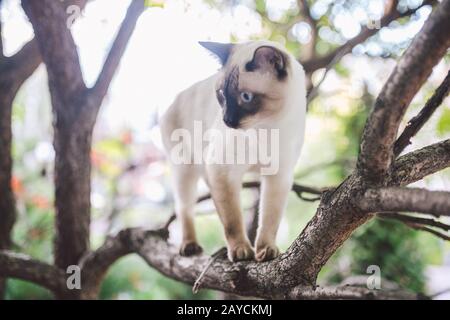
(259, 87)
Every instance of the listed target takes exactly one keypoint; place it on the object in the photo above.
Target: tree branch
(408, 76)
(414, 220)
(310, 48)
(353, 293)
(298, 189)
(22, 65)
(96, 263)
(116, 52)
(429, 230)
(391, 15)
(436, 203)
(25, 268)
(418, 164)
(242, 278)
(416, 123)
(313, 92)
(63, 66)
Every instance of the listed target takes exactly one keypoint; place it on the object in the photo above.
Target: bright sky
(163, 56)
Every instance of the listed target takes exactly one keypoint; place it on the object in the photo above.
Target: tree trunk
(72, 190)
(7, 203)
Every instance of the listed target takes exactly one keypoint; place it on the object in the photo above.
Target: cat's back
(196, 103)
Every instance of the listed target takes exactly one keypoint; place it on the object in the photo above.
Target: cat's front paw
(190, 248)
(266, 252)
(241, 251)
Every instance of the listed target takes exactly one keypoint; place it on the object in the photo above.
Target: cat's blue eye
(246, 97)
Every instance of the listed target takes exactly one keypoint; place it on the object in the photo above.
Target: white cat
(259, 87)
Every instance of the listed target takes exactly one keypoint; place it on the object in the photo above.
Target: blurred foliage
(130, 179)
(443, 126)
(394, 248)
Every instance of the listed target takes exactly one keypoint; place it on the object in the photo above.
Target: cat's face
(253, 82)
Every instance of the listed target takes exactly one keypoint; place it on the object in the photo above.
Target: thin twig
(415, 220)
(436, 294)
(432, 231)
(315, 90)
(297, 188)
(417, 122)
(214, 256)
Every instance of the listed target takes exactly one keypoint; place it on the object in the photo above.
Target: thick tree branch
(21, 65)
(408, 76)
(436, 203)
(25, 268)
(390, 15)
(418, 164)
(351, 292)
(416, 123)
(95, 264)
(243, 278)
(49, 20)
(117, 50)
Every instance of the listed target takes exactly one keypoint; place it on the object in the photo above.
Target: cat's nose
(230, 122)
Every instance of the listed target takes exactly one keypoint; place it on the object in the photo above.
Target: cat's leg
(225, 190)
(185, 191)
(274, 193)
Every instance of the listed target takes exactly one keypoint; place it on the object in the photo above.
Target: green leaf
(154, 3)
(341, 70)
(443, 125)
(260, 6)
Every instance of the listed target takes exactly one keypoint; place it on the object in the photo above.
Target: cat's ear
(268, 58)
(220, 50)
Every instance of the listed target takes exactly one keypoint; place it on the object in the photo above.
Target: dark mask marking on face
(234, 109)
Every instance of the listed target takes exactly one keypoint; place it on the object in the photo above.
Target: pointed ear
(220, 50)
(269, 59)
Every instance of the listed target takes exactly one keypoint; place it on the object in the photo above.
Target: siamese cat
(259, 87)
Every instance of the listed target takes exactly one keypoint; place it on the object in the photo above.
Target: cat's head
(253, 81)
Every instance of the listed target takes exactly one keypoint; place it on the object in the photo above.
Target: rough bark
(23, 267)
(249, 279)
(436, 203)
(418, 164)
(72, 137)
(408, 76)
